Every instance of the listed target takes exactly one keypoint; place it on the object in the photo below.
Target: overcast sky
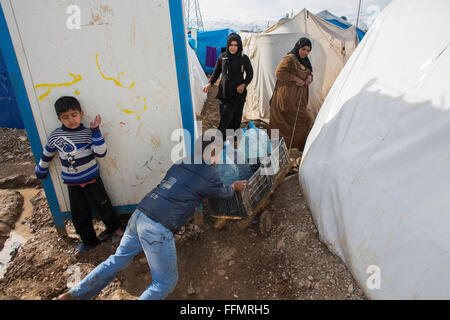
(253, 10)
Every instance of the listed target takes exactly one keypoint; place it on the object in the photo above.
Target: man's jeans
(142, 233)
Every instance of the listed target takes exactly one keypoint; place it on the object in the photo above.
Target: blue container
(255, 144)
(239, 159)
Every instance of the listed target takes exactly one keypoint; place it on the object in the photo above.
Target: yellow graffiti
(116, 81)
(77, 92)
(76, 78)
(128, 111)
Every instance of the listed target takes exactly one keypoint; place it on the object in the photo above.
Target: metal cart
(247, 204)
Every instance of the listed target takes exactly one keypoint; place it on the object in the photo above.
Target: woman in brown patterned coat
(294, 75)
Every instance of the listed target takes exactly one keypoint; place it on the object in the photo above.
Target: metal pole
(357, 18)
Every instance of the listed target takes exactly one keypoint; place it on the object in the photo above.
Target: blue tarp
(207, 43)
(360, 33)
(10, 116)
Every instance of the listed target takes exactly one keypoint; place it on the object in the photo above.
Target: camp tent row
(331, 48)
(330, 43)
(376, 169)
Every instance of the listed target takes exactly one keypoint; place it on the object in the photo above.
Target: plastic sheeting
(328, 16)
(198, 80)
(376, 165)
(214, 39)
(331, 48)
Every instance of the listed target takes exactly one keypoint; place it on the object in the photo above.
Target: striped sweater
(77, 150)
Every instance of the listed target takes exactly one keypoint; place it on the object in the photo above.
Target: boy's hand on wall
(39, 174)
(96, 122)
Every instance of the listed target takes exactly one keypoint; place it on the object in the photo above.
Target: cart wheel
(220, 223)
(265, 223)
(243, 223)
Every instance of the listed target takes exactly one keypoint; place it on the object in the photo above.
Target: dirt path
(231, 263)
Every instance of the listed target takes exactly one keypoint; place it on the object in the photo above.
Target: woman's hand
(308, 80)
(299, 82)
(207, 87)
(96, 122)
(240, 88)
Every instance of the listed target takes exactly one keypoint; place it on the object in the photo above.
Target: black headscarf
(228, 57)
(299, 44)
(234, 37)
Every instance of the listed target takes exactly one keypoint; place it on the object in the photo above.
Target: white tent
(331, 48)
(198, 80)
(376, 166)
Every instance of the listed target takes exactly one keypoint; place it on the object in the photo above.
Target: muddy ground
(230, 263)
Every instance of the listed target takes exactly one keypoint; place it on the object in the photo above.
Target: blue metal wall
(9, 111)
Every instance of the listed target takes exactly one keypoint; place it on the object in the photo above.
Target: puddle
(21, 227)
(12, 245)
(21, 232)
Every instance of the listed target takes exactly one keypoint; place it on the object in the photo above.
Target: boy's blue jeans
(142, 233)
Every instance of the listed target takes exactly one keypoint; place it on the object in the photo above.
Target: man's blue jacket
(174, 200)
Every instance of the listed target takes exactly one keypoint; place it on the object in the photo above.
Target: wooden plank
(220, 223)
(226, 217)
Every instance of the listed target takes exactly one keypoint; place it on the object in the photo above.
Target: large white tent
(376, 165)
(331, 48)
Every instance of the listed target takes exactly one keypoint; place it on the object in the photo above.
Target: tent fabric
(198, 80)
(376, 165)
(331, 48)
(214, 39)
(10, 116)
(328, 16)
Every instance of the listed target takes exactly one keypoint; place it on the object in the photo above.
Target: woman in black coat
(232, 88)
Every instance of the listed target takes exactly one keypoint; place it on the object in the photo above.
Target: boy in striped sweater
(77, 147)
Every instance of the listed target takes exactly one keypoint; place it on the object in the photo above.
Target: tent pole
(306, 22)
(357, 18)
